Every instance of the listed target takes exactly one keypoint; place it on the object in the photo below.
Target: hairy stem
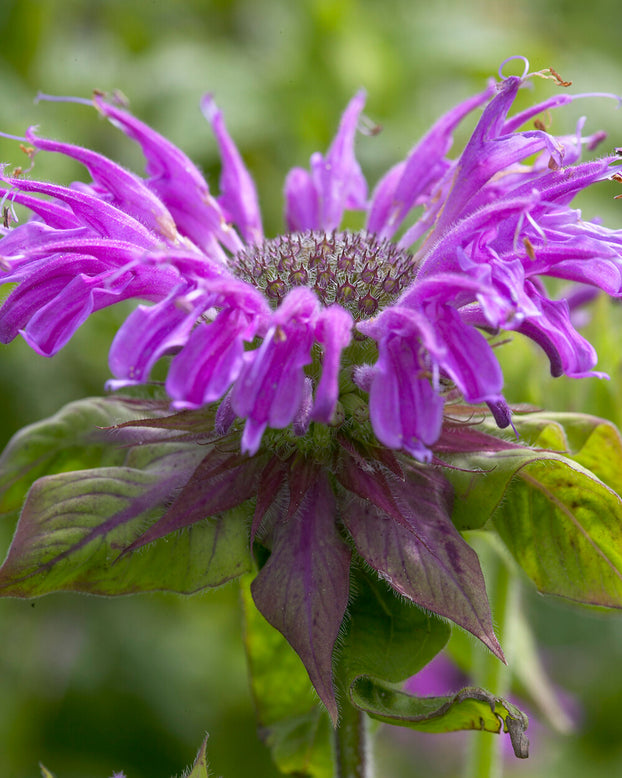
(351, 744)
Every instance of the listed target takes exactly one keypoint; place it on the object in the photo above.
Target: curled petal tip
(515, 57)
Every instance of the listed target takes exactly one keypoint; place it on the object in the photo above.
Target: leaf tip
(199, 768)
(330, 703)
(491, 642)
(518, 737)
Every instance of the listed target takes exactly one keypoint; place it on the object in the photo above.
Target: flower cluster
(264, 324)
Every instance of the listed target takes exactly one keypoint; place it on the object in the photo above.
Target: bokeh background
(91, 685)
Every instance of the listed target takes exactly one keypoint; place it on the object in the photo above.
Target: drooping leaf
(402, 528)
(470, 708)
(303, 588)
(293, 724)
(526, 675)
(388, 640)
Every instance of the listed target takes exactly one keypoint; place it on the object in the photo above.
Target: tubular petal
(272, 329)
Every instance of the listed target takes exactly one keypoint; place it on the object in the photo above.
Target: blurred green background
(91, 685)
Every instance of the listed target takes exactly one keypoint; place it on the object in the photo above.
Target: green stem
(485, 759)
(351, 744)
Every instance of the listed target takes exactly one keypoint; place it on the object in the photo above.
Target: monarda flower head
(323, 359)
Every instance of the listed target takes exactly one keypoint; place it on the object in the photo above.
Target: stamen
(559, 79)
(41, 96)
(13, 137)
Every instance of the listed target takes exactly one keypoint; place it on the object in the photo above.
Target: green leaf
(199, 768)
(564, 528)
(45, 773)
(74, 526)
(576, 428)
(72, 439)
(594, 443)
(293, 724)
(562, 524)
(470, 708)
(387, 636)
(301, 746)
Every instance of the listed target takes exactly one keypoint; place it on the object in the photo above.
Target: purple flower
(278, 323)
(337, 350)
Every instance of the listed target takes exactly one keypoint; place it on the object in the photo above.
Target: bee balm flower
(273, 323)
(337, 351)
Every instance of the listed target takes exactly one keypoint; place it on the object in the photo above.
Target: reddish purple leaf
(271, 482)
(465, 437)
(197, 424)
(404, 531)
(362, 454)
(369, 484)
(303, 588)
(222, 481)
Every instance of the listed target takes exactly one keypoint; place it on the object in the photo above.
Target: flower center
(353, 269)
